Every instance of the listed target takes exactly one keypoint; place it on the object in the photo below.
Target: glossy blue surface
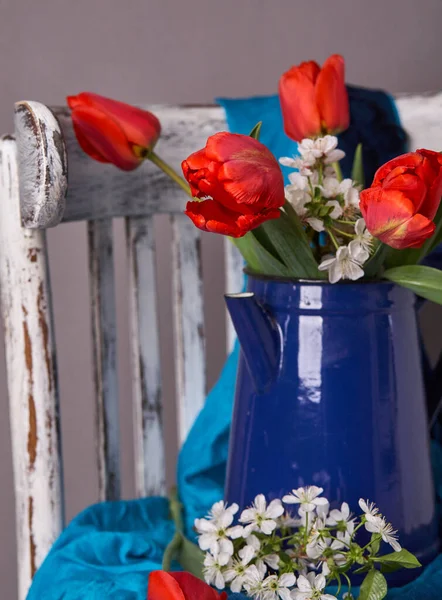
(330, 392)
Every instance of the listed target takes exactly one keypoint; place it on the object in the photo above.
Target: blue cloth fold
(108, 550)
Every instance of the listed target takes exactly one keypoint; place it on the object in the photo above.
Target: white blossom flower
(215, 528)
(331, 187)
(363, 240)
(299, 181)
(310, 588)
(297, 198)
(324, 148)
(236, 573)
(272, 560)
(214, 536)
(369, 508)
(350, 193)
(214, 569)
(315, 223)
(275, 587)
(377, 524)
(222, 513)
(343, 518)
(254, 584)
(337, 209)
(345, 265)
(261, 517)
(322, 510)
(297, 163)
(288, 520)
(307, 497)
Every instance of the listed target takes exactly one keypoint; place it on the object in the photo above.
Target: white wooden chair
(46, 179)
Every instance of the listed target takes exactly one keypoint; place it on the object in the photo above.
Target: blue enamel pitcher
(330, 392)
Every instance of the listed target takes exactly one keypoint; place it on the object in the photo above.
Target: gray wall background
(172, 51)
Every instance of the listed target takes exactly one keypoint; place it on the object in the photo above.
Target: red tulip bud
(314, 101)
(403, 199)
(113, 132)
(243, 180)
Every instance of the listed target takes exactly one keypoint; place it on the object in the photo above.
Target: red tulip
(314, 101)
(180, 586)
(243, 179)
(403, 199)
(113, 132)
(212, 216)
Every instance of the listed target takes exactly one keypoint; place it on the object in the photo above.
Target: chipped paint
(33, 395)
(104, 341)
(150, 475)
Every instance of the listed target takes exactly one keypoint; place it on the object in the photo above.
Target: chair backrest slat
(31, 374)
(150, 475)
(187, 300)
(104, 343)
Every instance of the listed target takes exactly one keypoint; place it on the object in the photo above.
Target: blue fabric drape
(108, 550)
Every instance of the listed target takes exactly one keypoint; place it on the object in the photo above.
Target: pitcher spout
(258, 337)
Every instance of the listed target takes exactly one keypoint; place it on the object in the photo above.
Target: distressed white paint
(234, 283)
(150, 475)
(104, 337)
(421, 117)
(31, 373)
(42, 165)
(190, 359)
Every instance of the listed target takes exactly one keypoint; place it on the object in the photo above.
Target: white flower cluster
(271, 554)
(325, 203)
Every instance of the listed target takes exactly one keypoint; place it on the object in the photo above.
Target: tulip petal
(162, 586)
(298, 103)
(86, 145)
(193, 588)
(211, 216)
(409, 183)
(384, 211)
(411, 160)
(141, 127)
(105, 136)
(238, 172)
(411, 234)
(431, 171)
(331, 95)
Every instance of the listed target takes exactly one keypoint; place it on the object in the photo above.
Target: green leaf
(291, 243)
(357, 171)
(375, 543)
(413, 256)
(191, 558)
(373, 266)
(374, 586)
(403, 558)
(258, 259)
(423, 281)
(256, 131)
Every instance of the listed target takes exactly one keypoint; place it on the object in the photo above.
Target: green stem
(344, 233)
(346, 222)
(348, 582)
(169, 171)
(171, 551)
(333, 239)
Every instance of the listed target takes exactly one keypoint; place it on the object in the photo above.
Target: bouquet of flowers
(272, 554)
(319, 225)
